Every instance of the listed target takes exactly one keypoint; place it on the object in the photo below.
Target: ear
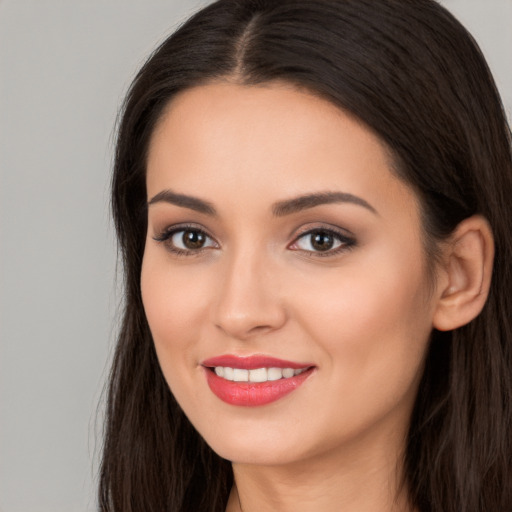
(465, 278)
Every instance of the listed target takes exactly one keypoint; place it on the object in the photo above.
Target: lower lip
(252, 394)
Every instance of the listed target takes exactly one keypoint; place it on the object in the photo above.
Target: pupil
(322, 241)
(193, 239)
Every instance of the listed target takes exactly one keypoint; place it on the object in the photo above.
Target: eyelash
(345, 242)
(165, 238)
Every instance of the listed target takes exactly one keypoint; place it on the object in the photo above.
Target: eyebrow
(279, 209)
(190, 202)
(304, 202)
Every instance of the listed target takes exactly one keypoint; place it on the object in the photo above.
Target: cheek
(174, 306)
(373, 321)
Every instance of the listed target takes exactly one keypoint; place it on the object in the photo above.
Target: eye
(187, 240)
(322, 241)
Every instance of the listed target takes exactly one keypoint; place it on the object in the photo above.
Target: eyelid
(323, 226)
(346, 238)
(164, 236)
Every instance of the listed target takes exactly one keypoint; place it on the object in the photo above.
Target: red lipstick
(246, 393)
(252, 362)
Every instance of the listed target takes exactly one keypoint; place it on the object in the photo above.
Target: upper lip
(252, 362)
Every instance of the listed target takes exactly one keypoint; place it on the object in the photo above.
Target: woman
(312, 204)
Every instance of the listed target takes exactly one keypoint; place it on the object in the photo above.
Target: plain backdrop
(64, 68)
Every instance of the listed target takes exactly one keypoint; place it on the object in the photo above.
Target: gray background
(64, 67)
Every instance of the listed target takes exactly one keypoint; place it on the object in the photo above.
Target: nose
(249, 300)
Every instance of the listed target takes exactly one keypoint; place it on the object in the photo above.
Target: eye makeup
(319, 241)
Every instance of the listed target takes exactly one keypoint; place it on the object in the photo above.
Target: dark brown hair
(413, 74)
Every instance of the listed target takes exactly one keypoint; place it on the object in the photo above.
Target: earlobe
(467, 268)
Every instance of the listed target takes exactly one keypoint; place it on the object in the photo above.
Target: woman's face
(280, 246)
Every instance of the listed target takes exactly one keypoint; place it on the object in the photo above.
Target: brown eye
(322, 241)
(186, 240)
(193, 239)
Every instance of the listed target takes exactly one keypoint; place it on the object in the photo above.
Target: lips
(255, 380)
(252, 362)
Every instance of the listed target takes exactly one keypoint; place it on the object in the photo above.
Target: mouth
(257, 375)
(254, 380)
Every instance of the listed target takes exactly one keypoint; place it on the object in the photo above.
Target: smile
(255, 380)
(257, 375)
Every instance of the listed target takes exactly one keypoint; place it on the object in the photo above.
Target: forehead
(266, 142)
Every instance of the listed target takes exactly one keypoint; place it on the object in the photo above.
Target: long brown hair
(414, 75)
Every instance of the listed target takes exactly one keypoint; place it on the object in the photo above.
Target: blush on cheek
(173, 306)
(364, 319)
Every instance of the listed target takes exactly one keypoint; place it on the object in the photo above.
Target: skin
(362, 315)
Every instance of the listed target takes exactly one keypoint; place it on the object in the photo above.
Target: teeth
(259, 375)
(240, 375)
(256, 375)
(287, 373)
(275, 373)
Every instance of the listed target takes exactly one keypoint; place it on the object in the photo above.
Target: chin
(257, 452)
(262, 442)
